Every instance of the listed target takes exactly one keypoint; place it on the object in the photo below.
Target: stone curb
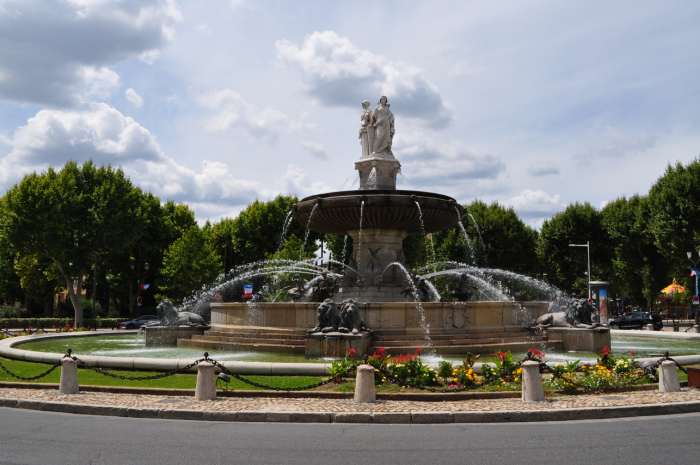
(279, 416)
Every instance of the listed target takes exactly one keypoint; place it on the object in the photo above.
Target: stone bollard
(364, 385)
(668, 377)
(206, 382)
(69, 376)
(532, 383)
(650, 327)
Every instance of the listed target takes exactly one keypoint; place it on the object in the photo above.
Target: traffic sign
(696, 300)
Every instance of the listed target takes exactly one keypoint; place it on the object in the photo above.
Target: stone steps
(233, 346)
(250, 340)
(456, 341)
(485, 349)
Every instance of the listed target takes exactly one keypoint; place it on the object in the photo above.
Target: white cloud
(234, 111)
(295, 181)
(535, 202)
(542, 168)
(435, 163)
(49, 48)
(135, 99)
(317, 150)
(99, 82)
(101, 133)
(337, 73)
(617, 144)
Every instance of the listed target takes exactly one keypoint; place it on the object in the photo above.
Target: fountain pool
(127, 345)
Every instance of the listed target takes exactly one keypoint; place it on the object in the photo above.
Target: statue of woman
(383, 123)
(366, 130)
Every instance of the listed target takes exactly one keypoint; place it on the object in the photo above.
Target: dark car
(637, 320)
(140, 321)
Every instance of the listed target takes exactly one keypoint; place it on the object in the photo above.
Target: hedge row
(51, 323)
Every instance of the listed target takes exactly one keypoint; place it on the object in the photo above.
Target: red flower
(381, 352)
(351, 353)
(631, 352)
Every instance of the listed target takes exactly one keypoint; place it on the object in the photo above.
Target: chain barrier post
(668, 377)
(364, 385)
(532, 382)
(206, 380)
(69, 376)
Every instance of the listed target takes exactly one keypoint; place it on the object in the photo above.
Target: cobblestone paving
(266, 404)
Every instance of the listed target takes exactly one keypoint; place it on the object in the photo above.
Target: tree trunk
(75, 299)
(48, 306)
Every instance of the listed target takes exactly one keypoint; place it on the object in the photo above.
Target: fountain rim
(8, 350)
(381, 193)
(351, 200)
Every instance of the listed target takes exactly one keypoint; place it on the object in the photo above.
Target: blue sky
(534, 104)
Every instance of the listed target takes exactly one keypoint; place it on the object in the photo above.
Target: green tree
(70, 215)
(566, 267)
(639, 267)
(257, 230)
(39, 279)
(498, 239)
(189, 263)
(675, 216)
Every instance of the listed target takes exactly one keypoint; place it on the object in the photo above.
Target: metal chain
(332, 379)
(138, 378)
(32, 378)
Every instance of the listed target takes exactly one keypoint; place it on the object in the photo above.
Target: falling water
(429, 248)
(287, 222)
(306, 237)
(371, 182)
(414, 291)
(481, 241)
(345, 248)
(405, 181)
(467, 241)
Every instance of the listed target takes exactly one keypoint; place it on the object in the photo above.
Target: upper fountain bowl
(339, 212)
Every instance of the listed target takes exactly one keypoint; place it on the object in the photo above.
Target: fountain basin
(339, 212)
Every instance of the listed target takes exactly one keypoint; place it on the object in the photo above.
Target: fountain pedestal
(336, 345)
(157, 335)
(580, 339)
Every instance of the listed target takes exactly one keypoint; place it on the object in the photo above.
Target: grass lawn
(184, 381)
(189, 381)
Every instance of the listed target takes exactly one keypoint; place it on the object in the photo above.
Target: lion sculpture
(328, 317)
(169, 316)
(575, 315)
(350, 319)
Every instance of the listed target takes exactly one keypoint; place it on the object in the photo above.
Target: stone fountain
(378, 217)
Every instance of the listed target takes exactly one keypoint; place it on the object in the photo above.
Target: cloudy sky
(534, 104)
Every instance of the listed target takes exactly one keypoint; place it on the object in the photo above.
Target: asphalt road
(32, 437)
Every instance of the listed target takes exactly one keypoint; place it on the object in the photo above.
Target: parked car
(637, 320)
(140, 321)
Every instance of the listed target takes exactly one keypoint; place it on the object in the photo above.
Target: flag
(693, 271)
(248, 290)
(145, 286)
(517, 295)
(340, 289)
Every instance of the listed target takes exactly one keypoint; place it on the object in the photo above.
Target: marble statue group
(376, 129)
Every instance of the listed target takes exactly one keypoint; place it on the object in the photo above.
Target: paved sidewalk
(314, 410)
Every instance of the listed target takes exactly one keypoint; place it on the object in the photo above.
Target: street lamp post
(587, 245)
(696, 271)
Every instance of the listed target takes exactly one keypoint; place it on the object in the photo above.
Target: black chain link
(647, 371)
(138, 378)
(32, 378)
(335, 378)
